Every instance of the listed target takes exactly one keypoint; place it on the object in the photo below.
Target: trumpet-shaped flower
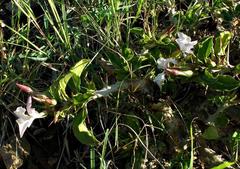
(185, 43)
(163, 63)
(25, 120)
(159, 79)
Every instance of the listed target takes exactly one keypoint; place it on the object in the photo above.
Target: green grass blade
(224, 165)
(92, 158)
(26, 39)
(105, 141)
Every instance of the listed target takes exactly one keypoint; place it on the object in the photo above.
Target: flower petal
(23, 124)
(162, 63)
(29, 104)
(183, 37)
(20, 113)
(159, 79)
(193, 43)
(37, 115)
(31, 111)
(25, 120)
(185, 43)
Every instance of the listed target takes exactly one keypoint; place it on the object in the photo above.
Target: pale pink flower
(26, 119)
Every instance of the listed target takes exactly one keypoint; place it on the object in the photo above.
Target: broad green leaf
(81, 131)
(220, 82)
(81, 99)
(77, 70)
(116, 61)
(84, 135)
(205, 49)
(62, 86)
(226, 15)
(58, 89)
(224, 165)
(222, 42)
(211, 133)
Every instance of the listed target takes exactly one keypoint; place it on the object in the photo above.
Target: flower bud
(176, 72)
(44, 99)
(24, 88)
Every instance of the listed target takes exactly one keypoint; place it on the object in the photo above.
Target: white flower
(25, 120)
(163, 63)
(185, 43)
(159, 79)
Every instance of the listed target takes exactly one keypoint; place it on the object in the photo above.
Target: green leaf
(236, 136)
(77, 70)
(116, 61)
(62, 86)
(211, 133)
(132, 122)
(237, 10)
(220, 82)
(226, 15)
(222, 42)
(193, 13)
(205, 49)
(41, 59)
(58, 89)
(224, 165)
(81, 99)
(222, 120)
(137, 30)
(237, 69)
(81, 131)
(139, 9)
(128, 53)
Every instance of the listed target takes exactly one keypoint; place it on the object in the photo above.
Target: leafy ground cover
(119, 84)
